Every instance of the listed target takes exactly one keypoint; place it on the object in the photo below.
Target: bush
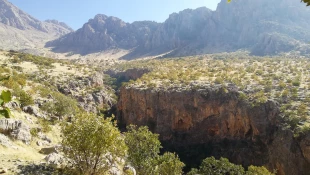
(296, 83)
(143, 150)
(169, 164)
(25, 99)
(61, 105)
(254, 170)
(92, 144)
(45, 125)
(218, 167)
(211, 166)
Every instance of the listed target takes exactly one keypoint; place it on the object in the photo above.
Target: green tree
(143, 153)
(169, 164)
(254, 170)
(307, 2)
(92, 144)
(143, 148)
(211, 166)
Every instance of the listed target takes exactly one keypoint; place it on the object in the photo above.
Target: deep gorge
(211, 122)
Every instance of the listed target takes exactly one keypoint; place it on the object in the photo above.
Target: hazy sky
(76, 12)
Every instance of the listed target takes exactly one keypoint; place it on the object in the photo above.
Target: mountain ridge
(253, 26)
(21, 31)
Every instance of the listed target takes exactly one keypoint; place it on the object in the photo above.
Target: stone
(3, 170)
(32, 110)
(115, 171)
(16, 129)
(54, 159)
(44, 137)
(49, 150)
(5, 141)
(42, 143)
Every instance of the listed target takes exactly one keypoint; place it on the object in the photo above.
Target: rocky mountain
(263, 27)
(103, 32)
(19, 30)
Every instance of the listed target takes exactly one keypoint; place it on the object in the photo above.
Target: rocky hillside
(18, 30)
(263, 27)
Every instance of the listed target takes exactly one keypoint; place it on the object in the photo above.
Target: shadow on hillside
(33, 169)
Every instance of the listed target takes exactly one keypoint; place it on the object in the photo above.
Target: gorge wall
(211, 122)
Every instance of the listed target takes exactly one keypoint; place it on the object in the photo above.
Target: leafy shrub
(93, 144)
(34, 132)
(61, 105)
(143, 150)
(25, 99)
(296, 83)
(5, 97)
(212, 166)
(218, 167)
(45, 125)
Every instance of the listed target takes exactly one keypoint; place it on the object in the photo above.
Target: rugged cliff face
(210, 121)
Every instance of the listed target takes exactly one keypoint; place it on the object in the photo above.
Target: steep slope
(262, 27)
(102, 33)
(21, 31)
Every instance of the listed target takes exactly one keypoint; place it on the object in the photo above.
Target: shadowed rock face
(210, 122)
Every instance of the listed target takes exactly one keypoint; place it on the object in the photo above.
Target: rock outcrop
(212, 122)
(263, 27)
(16, 129)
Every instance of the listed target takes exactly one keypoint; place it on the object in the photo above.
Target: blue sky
(76, 12)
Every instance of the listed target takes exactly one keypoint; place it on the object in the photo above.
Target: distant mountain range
(264, 27)
(19, 31)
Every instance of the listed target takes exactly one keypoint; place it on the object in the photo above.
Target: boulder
(50, 150)
(16, 129)
(33, 111)
(55, 159)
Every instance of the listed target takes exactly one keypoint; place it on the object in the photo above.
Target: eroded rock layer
(214, 122)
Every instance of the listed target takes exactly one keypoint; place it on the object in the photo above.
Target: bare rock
(16, 129)
(3, 171)
(5, 141)
(49, 150)
(55, 159)
(32, 110)
(44, 137)
(42, 143)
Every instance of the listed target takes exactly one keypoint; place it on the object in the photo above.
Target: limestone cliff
(212, 122)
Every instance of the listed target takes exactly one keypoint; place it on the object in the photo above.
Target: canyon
(204, 122)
